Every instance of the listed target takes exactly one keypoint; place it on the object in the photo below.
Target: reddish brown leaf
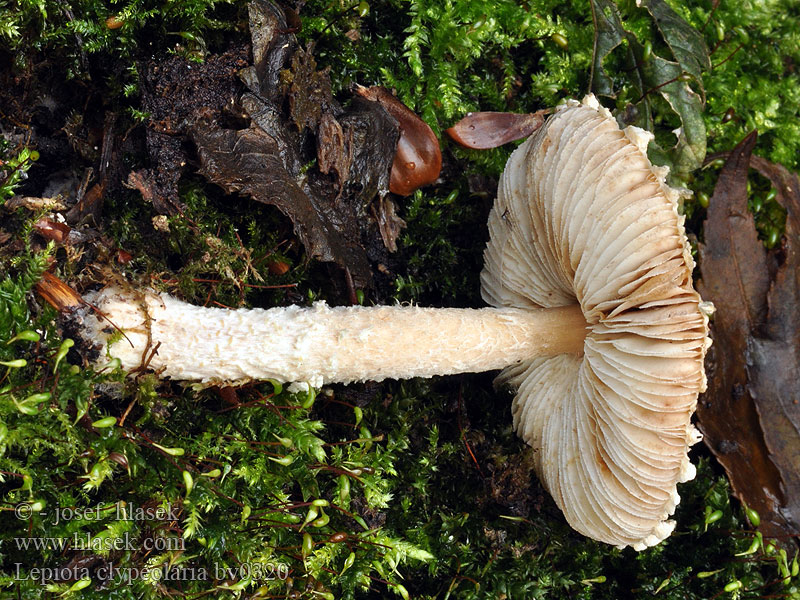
(737, 414)
(114, 22)
(229, 395)
(118, 458)
(123, 256)
(483, 130)
(90, 204)
(52, 230)
(277, 267)
(57, 293)
(732, 255)
(418, 159)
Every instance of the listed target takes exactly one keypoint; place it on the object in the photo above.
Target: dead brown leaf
(483, 130)
(282, 139)
(248, 161)
(272, 162)
(749, 415)
(773, 358)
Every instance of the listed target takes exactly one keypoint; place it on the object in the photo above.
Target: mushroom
(594, 321)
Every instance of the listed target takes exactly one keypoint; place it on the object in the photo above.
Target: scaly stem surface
(323, 344)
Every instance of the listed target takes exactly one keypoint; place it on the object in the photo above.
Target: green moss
(86, 37)
(262, 480)
(754, 80)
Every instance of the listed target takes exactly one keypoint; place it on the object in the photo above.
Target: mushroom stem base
(323, 344)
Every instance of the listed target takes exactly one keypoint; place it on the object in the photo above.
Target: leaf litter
(750, 415)
(274, 132)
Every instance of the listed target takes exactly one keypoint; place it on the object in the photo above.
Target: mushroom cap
(583, 217)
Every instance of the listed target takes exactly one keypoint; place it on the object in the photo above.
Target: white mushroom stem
(323, 344)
